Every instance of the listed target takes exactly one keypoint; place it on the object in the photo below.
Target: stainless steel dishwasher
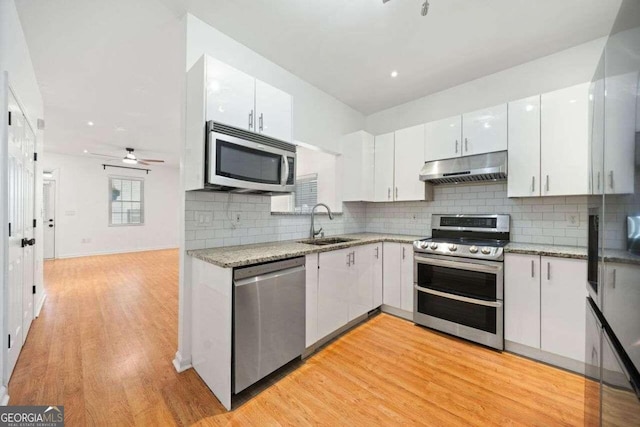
(269, 319)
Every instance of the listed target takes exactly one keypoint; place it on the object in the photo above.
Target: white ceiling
(118, 63)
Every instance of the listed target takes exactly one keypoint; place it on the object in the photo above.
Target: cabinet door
(442, 138)
(311, 298)
(620, 133)
(383, 166)
(484, 131)
(564, 141)
(562, 306)
(596, 131)
(334, 276)
(361, 289)
(273, 112)
(522, 299)
(409, 159)
(406, 277)
(377, 275)
(230, 95)
(357, 167)
(392, 266)
(524, 148)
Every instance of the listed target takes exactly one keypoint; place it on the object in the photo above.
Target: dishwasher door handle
(274, 275)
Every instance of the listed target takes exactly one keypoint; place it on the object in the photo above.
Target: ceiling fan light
(128, 160)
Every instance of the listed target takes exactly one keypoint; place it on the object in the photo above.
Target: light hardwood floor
(107, 334)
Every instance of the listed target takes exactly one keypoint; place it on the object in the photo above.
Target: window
(126, 201)
(306, 192)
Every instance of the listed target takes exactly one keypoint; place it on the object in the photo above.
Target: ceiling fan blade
(140, 162)
(152, 160)
(105, 155)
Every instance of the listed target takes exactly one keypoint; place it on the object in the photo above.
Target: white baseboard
(181, 364)
(40, 304)
(4, 396)
(115, 252)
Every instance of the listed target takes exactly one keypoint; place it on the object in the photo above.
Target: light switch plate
(573, 220)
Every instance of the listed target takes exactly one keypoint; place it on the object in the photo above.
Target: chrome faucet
(314, 233)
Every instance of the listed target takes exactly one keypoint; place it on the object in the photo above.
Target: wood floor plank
(105, 339)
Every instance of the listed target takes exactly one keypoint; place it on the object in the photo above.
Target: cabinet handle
(251, 120)
(353, 257)
(396, 193)
(261, 122)
(548, 271)
(389, 193)
(594, 355)
(348, 259)
(377, 252)
(547, 185)
(403, 252)
(466, 144)
(611, 179)
(533, 184)
(613, 279)
(456, 146)
(532, 267)
(598, 180)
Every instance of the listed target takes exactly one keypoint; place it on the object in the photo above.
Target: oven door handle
(481, 268)
(496, 304)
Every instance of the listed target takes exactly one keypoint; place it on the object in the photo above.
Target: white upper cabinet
(230, 95)
(357, 167)
(484, 131)
(442, 138)
(620, 133)
(383, 166)
(565, 150)
(273, 112)
(409, 159)
(596, 132)
(524, 148)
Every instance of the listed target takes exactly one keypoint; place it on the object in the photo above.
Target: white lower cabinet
(522, 299)
(311, 299)
(544, 303)
(334, 275)
(365, 293)
(398, 276)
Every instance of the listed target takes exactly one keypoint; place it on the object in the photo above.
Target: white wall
(562, 69)
(318, 118)
(82, 208)
(15, 60)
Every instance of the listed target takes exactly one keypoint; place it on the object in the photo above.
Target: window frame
(110, 196)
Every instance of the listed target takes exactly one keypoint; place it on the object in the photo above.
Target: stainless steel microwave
(247, 162)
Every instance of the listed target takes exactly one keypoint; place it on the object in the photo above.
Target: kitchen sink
(326, 241)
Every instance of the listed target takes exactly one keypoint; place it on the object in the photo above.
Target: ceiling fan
(130, 158)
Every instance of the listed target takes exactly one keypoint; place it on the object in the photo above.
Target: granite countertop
(575, 252)
(238, 256)
(621, 256)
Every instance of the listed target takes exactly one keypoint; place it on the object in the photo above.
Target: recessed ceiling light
(90, 123)
(86, 151)
(394, 74)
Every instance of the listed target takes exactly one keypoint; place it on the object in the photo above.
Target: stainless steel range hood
(481, 167)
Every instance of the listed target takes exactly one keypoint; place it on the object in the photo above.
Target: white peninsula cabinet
(524, 148)
(398, 278)
(544, 300)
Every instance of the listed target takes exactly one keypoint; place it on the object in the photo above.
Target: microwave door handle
(285, 170)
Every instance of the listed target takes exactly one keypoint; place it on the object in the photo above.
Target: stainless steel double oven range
(459, 277)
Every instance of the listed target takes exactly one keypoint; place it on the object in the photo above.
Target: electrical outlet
(86, 240)
(204, 218)
(573, 220)
(237, 217)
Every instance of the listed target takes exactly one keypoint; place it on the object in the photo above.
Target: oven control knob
(453, 248)
(434, 246)
(424, 245)
(473, 249)
(486, 251)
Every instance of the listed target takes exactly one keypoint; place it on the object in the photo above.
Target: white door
(442, 138)
(562, 306)
(524, 148)
(383, 167)
(392, 263)
(230, 95)
(311, 299)
(16, 166)
(376, 267)
(409, 159)
(564, 141)
(361, 289)
(49, 219)
(334, 277)
(406, 277)
(273, 112)
(28, 291)
(522, 299)
(485, 131)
